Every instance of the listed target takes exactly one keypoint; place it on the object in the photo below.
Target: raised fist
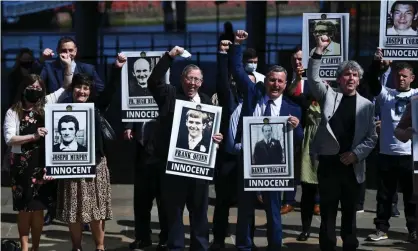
(224, 45)
(47, 54)
(120, 60)
(322, 42)
(176, 51)
(65, 59)
(240, 36)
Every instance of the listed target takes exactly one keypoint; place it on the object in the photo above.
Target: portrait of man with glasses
(326, 27)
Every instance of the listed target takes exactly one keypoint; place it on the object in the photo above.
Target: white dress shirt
(194, 141)
(196, 98)
(275, 107)
(409, 32)
(73, 146)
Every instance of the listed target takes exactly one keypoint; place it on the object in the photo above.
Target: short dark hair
(64, 40)
(413, 4)
(248, 54)
(296, 49)
(403, 65)
(67, 119)
(262, 128)
(80, 79)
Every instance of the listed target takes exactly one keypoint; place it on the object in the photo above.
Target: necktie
(298, 89)
(383, 80)
(267, 111)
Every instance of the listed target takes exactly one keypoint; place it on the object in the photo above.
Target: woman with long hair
(24, 131)
(88, 200)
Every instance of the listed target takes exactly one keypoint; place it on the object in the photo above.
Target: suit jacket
(253, 93)
(53, 75)
(80, 148)
(268, 154)
(183, 142)
(325, 143)
(165, 96)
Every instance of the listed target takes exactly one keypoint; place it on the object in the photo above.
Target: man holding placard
(178, 191)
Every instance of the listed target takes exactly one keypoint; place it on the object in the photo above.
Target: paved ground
(120, 230)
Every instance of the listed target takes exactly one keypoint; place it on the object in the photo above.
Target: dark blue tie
(267, 111)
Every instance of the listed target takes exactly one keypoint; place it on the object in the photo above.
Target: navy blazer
(53, 75)
(255, 92)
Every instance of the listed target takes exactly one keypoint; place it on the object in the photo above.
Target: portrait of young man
(192, 134)
(68, 126)
(268, 151)
(402, 16)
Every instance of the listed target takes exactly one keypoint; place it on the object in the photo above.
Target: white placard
(336, 27)
(70, 149)
(414, 117)
(268, 154)
(192, 151)
(398, 36)
(138, 105)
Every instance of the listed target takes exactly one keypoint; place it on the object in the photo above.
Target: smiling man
(403, 13)
(68, 127)
(194, 140)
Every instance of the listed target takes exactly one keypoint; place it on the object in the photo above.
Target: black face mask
(32, 95)
(26, 65)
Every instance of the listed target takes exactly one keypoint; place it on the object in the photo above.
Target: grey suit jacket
(325, 143)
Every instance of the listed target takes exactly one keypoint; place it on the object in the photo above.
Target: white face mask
(250, 67)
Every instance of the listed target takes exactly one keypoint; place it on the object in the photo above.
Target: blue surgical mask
(250, 67)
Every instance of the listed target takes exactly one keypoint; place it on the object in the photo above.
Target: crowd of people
(336, 126)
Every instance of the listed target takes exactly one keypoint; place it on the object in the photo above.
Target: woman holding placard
(24, 131)
(83, 200)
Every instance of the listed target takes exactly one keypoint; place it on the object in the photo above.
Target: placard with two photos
(336, 27)
(70, 143)
(138, 105)
(268, 154)
(192, 151)
(398, 36)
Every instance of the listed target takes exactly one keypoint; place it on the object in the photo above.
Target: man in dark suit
(268, 151)
(141, 71)
(53, 73)
(68, 127)
(261, 100)
(194, 140)
(179, 191)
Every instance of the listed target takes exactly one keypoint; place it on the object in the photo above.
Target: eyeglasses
(194, 80)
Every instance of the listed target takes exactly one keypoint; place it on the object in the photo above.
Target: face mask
(32, 95)
(26, 65)
(250, 67)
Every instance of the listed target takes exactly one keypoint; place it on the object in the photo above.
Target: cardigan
(12, 123)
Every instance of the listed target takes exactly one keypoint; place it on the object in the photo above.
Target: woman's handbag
(9, 245)
(107, 130)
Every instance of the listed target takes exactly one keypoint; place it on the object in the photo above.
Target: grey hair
(190, 68)
(276, 68)
(350, 65)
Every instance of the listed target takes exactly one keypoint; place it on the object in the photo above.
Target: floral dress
(28, 166)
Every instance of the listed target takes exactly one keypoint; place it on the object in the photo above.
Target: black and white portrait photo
(195, 130)
(70, 133)
(138, 105)
(268, 154)
(330, 27)
(267, 144)
(336, 27)
(192, 150)
(70, 143)
(398, 36)
(402, 18)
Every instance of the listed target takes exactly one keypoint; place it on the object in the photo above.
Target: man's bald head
(142, 71)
